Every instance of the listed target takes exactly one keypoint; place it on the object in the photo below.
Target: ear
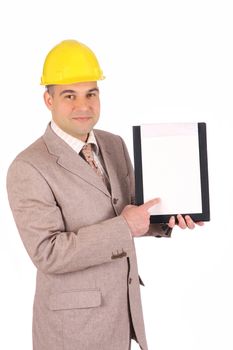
(48, 99)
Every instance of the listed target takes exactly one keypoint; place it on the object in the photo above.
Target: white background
(164, 61)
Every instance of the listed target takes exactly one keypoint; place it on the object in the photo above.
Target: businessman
(72, 197)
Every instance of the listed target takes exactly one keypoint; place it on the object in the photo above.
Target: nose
(81, 104)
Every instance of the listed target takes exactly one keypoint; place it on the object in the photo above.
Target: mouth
(82, 119)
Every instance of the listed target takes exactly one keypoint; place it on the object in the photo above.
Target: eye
(91, 94)
(70, 97)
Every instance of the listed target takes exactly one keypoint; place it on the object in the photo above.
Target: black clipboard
(184, 181)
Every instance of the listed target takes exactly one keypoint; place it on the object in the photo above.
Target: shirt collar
(73, 142)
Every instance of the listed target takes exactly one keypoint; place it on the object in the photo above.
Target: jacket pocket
(77, 299)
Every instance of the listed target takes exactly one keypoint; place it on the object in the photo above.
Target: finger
(189, 222)
(200, 223)
(147, 205)
(172, 222)
(181, 221)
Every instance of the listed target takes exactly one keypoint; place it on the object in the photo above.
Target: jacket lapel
(71, 161)
(108, 158)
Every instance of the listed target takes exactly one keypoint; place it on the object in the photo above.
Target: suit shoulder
(107, 139)
(33, 153)
(106, 135)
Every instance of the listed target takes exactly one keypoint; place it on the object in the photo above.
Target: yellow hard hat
(70, 62)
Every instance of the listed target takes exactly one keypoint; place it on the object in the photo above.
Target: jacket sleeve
(159, 230)
(41, 226)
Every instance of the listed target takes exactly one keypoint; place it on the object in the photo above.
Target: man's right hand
(138, 217)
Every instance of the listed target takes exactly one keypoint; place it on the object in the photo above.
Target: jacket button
(130, 280)
(115, 200)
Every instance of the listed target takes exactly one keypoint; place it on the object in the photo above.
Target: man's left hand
(184, 222)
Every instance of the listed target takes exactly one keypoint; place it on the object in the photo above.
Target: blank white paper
(171, 167)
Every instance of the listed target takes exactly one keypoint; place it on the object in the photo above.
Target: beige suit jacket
(87, 286)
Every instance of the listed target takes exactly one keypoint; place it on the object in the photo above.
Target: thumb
(147, 205)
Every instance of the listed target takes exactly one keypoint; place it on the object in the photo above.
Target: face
(75, 108)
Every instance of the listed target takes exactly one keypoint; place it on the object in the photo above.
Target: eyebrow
(75, 92)
(67, 92)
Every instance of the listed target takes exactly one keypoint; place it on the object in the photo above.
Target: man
(72, 194)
